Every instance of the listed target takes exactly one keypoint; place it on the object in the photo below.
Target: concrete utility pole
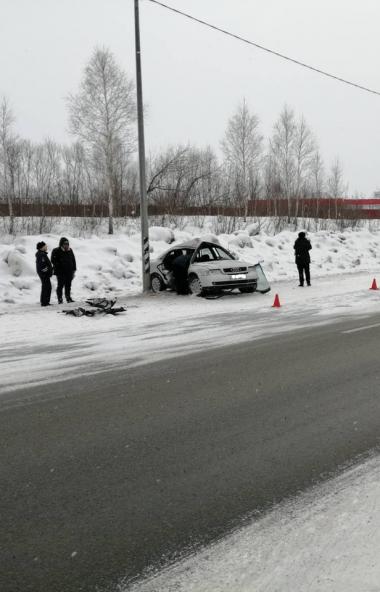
(143, 196)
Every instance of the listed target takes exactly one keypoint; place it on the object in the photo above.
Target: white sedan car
(211, 270)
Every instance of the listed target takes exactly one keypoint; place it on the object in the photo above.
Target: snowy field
(325, 541)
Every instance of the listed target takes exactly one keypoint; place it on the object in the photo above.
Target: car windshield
(211, 253)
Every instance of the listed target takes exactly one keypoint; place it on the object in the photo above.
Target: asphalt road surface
(104, 476)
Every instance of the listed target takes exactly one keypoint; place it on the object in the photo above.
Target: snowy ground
(42, 344)
(328, 540)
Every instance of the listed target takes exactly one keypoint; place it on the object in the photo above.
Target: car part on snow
(101, 305)
(247, 289)
(80, 312)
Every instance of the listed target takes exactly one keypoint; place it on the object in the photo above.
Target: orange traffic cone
(374, 285)
(276, 303)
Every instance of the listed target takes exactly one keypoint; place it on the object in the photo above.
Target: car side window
(204, 254)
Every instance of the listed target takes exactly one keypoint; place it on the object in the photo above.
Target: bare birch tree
(335, 184)
(242, 148)
(304, 148)
(25, 171)
(317, 180)
(282, 146)
(73, 180)
(102, 114)
(46, 169)
(317, 175)
(7, 138)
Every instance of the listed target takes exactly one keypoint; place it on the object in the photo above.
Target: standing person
(180, 266)
(45, 271)
(63, 260)
(302, 247)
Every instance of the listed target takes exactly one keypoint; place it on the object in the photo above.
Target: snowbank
(112, 264)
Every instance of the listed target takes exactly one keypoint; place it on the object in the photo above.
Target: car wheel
(195, 285)
(156, 283)
(247, 289)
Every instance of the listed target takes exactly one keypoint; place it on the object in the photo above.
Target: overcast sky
(194, 78)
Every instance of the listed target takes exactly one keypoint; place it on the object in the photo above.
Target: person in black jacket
(180, 266)
(63, 260)
(45, 271)
(302, 247)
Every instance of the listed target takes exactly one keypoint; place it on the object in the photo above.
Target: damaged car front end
(212, 269)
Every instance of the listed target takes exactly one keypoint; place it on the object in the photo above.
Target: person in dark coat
(45, 271)
(180, 266)
(64, 264)
(302, 247)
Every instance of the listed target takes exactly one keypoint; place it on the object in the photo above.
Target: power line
(271, 51)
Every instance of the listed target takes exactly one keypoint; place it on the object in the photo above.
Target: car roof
(194, 244)
(190, 244)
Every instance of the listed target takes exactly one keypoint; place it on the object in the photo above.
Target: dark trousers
(64, 282)
(180, 278)
(45, 291)
(304, 267)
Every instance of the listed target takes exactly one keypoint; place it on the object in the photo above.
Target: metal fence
(303, 208)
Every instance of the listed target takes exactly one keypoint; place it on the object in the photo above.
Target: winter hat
(301, 235)
(40, 245)
(63, 240)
